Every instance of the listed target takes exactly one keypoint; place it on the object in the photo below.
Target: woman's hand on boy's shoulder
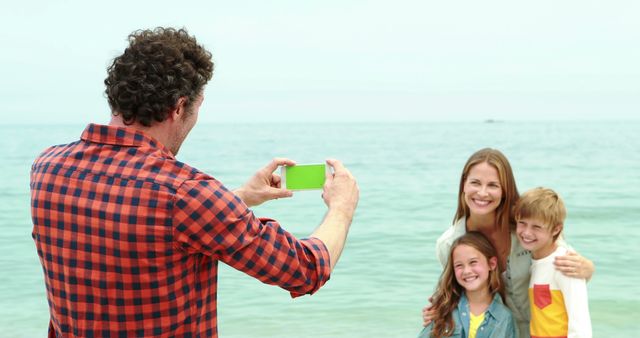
(574, 265)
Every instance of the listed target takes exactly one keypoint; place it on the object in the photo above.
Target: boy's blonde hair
(544, 205)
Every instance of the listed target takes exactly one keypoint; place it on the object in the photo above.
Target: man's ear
(179, 109)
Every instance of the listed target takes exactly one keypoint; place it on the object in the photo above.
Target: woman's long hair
(504, 213)
(448, 291)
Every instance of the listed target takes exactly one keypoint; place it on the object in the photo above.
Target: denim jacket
(498, 321)
(515, 278)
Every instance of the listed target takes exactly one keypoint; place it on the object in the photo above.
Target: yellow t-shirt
(474, 323)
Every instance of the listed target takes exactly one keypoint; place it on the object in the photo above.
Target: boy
(559, 304)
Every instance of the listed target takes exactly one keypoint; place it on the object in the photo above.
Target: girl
(468, 298)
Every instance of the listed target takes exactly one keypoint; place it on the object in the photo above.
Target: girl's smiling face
(472, 268)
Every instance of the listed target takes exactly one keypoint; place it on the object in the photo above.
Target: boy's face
(537, 237)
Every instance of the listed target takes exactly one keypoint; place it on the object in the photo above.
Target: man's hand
(264, 185)
(340, 191)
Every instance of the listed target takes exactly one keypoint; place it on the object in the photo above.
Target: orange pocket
(541, 295)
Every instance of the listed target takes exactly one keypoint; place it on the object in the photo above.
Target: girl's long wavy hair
(504, 213)
(448, 291)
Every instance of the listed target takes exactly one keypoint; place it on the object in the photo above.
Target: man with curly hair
(130, 238)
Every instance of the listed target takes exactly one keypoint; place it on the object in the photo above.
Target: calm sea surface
(408, 176)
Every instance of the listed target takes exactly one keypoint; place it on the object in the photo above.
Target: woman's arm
(574, 265)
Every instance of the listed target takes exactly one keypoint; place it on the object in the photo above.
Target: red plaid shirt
(129, 239)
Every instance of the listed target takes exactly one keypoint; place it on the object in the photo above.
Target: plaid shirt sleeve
(211, 220)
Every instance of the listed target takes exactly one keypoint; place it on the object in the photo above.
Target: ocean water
(408, 175)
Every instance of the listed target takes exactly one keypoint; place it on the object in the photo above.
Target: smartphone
(303, 176)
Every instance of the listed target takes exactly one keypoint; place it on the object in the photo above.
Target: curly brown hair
(158, 67)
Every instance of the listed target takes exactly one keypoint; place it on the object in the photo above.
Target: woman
(486, 198)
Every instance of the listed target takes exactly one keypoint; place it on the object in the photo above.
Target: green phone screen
(305, 176)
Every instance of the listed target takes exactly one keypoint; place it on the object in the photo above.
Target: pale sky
(339, 61)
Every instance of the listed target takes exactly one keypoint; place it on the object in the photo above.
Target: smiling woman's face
(482, 189)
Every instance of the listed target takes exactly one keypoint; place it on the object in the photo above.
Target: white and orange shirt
(559, 304)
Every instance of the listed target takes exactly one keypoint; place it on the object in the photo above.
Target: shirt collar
(493, 310)
(120, 136)
(463, 302)
(460, 227)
